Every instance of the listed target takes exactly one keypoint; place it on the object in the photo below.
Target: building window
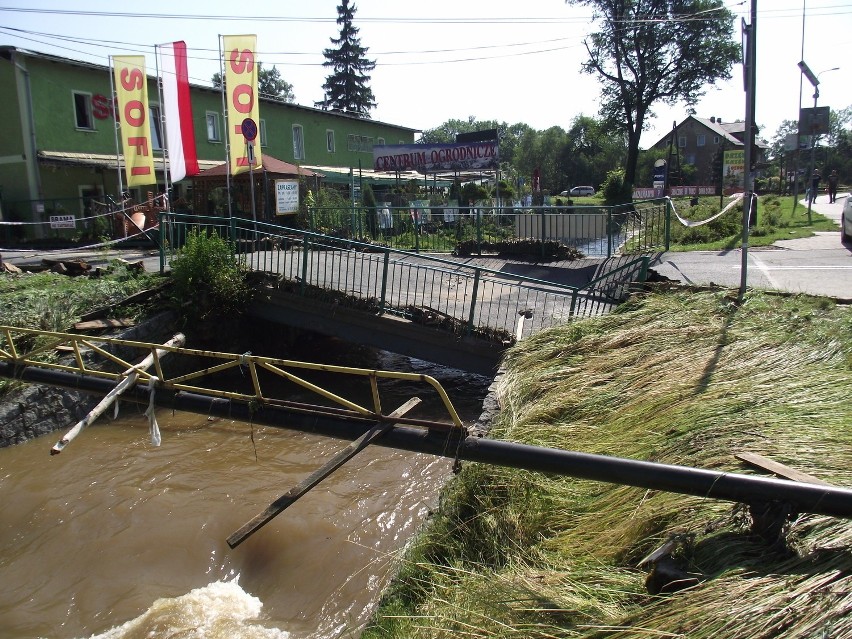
(363, 143)
(83, 111)
(681, 141)
(298, 142)
(329, 140)
(715, 139)
(262, 132)
(156, 127)
(700, 140)
(213, 127)
(380, 141)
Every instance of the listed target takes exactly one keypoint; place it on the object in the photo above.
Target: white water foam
(219, 610)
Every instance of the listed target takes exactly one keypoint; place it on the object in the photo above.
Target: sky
(449, 59)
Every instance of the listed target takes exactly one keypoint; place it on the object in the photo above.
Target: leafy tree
(650, 51)
(347, 89)
(270, 84)
(593, 150)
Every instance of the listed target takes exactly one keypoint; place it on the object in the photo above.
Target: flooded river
(118, 538)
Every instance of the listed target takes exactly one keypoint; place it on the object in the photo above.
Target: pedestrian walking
(832, 186)
(815, 178)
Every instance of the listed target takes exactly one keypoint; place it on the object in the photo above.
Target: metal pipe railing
(709, 484)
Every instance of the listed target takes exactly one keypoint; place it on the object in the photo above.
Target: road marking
(760, 265)
(764, 267)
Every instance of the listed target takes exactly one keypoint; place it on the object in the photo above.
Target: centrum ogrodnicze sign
(428, 158)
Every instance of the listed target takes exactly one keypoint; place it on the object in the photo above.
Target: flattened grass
(679, 378)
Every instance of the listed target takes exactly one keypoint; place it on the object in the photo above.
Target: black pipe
(804, 497)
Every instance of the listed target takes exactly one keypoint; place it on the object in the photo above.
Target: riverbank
(682, 378)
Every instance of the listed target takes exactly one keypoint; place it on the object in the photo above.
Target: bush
(209, 284)
(615, 190)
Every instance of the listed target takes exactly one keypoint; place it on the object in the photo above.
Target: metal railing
(593, 230)
(461, 296)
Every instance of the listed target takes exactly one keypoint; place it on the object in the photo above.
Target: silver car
(582, 190)
(846, 221)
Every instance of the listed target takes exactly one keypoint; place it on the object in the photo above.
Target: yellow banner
(131, 87)
(242, 99)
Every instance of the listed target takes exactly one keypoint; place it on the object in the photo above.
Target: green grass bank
(683, 378)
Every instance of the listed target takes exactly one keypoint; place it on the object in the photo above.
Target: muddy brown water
(118, 538)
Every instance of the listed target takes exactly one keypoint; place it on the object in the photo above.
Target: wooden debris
(140, 296)
(764, 463)
(103, 323)
(290, 497)
(7, 267)
(67, 267)
(132, 374)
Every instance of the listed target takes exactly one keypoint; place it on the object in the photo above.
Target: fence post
(416, 212)
(162, 231)
(479, 230)
(305, 248)
(609, 230)
(384, 282)
(542, 234)
(668, 222)
(472, 315)
(643, 270)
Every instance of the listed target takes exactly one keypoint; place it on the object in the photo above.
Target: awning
(270, 165)
(101, 160)
(342, 175)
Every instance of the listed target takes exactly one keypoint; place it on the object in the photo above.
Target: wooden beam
(132, 374)
(292, 495)
(764, 463)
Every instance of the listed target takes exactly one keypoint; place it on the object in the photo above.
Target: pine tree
(346, 89)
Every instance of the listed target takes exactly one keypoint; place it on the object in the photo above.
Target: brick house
(699, 142)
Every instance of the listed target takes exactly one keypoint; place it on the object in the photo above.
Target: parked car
(846, 221)
(582, 190)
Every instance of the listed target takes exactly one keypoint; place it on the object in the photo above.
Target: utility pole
(748, 140)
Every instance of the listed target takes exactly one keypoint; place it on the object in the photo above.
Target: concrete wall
(38, 410)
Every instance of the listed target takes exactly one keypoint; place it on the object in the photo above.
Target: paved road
(818, 265)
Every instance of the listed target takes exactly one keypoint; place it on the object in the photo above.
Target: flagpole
(115, 131)
(164, 135)
(227, 131)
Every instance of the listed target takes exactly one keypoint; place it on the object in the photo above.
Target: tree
(347, 89)
(270, 84)
(651, 51)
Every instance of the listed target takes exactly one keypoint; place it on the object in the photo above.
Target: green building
(59, 152)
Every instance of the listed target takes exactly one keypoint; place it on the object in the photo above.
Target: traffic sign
(249, 129)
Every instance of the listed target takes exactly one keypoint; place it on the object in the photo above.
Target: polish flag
(180, 135)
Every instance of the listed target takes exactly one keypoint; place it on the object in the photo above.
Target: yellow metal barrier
(29, 347)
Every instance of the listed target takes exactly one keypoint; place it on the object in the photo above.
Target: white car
(582, 190)
(846, 221)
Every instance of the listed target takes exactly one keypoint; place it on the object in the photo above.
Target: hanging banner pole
(115, 132)
(225, 116)
(161, 128)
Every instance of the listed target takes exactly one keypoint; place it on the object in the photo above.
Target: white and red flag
(180, 134)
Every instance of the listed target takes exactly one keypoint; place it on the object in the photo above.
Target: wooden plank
(103, 323)
(764, 463)
(340, 458)
(132, 374)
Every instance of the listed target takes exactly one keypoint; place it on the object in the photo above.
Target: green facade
(48, 162)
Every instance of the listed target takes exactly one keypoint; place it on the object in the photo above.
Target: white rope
(127, 206)
(153, 427)
(81, 248)
(736, 199)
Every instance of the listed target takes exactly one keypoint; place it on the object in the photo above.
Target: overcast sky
(442, 59)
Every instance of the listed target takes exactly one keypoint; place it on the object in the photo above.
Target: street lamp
(814, 80)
